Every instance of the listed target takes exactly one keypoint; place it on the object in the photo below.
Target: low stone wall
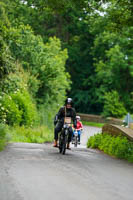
(99, 119)
(118, 130)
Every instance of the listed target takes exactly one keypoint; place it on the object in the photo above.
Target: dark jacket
(69, 113)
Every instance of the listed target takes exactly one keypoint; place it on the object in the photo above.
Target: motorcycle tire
(64, 145)
(75, 141)
(60, 144)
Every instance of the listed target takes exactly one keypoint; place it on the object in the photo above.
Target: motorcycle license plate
(67, 120)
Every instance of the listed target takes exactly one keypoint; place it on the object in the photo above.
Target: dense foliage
(98, 36)
(51, 49)
(32, 74)
(118, 146)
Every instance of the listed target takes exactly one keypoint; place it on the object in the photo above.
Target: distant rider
(66, 111)
(79, 128)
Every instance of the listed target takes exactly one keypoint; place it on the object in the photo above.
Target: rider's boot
(68, 146)
(55, 144)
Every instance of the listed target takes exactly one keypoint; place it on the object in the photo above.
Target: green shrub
(112, 105)
(9, 111)
(18, 109)
(118, 146)
(104, 143)
(26, 107)
(94, 141)
(14, 82)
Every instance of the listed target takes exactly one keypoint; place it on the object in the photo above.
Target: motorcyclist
(66, 111)
(79, 128)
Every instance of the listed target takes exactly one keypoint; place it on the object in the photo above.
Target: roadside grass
(2, 144)
(118, 146)
(39, 134)
(99, 125)
(10, 134)
(3, 139)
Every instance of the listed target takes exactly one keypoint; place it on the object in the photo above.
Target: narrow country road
(39, 172)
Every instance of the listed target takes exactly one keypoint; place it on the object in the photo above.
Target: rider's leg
(55, 143)
(56, 131)
(72, 134)
(69, 137)
(79, 132)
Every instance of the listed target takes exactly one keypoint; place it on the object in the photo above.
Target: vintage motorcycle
(63, 138)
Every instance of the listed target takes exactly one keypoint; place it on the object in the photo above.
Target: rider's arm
(60, 113)
(55, 119)
(74, 118)
(58, 116)
(81, 125)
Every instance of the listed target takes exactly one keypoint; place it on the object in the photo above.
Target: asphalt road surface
(39, 172)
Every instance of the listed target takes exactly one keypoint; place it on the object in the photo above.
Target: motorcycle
(75, 138)
(63, 138)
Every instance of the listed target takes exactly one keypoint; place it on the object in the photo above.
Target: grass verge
(31, 135)
(40, 134)
(99, 125)
(119, 146)
(3, 139)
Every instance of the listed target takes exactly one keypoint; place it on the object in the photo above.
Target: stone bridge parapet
(99, 119)
(118, 130)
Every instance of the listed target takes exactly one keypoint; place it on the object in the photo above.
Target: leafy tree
(113, 54)
(44, 68)
(66, 20)
(45, 63)
(98, 38)
(6, 60)
(112, 105)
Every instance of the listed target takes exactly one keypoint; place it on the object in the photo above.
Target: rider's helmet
(68, 101)
(78, 117)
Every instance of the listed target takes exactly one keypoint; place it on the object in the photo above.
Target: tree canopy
(79, 48)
